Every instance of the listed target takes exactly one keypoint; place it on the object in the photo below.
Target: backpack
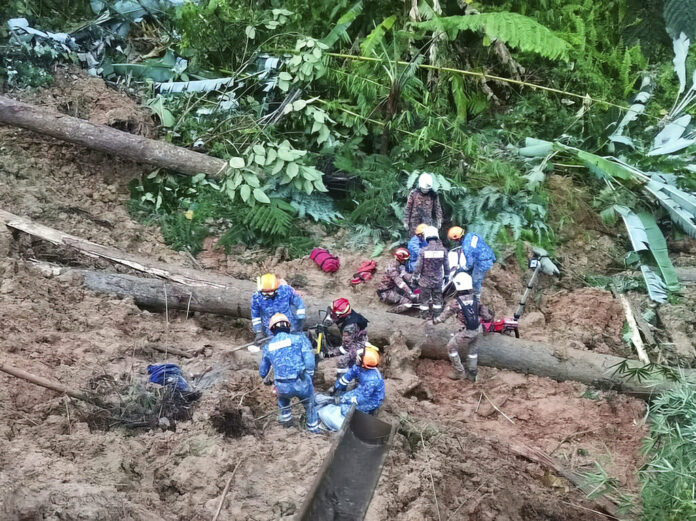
(470, 313)
(326, 262)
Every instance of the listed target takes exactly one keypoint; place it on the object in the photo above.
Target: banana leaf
(656, 288)
(680, 205)
(194, 86)
(636, 109)
(536, 148)
(658, 247)
(646, 236)
(601, 166)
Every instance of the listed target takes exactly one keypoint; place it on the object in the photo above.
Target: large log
(108, 139)
(495, 350)
(212, 293)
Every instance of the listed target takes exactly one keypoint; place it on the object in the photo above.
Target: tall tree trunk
(108, 139)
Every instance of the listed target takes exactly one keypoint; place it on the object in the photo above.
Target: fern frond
(272, 219)
(516, 30)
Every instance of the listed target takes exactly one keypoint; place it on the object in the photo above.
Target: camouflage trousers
(430, 297)
(394, 296)
(464, 339)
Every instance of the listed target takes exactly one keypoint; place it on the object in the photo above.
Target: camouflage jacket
(395, 275)
(431, 265)
(469, 312)
(422, 208)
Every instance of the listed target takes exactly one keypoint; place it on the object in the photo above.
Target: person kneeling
(367, 396)
(291, 357)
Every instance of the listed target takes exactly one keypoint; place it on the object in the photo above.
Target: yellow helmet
(370, 357)
(278, 319)
(268, 284)
(420, 229)
(455, 233)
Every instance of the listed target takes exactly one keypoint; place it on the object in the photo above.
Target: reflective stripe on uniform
(424, 308)
(472, 356)
(255, 321)
(313, 425)
(301, 312)
(434, 254)
(474, 241)
(453, 355)
(343, 381)
(285, 416)
(280, 344)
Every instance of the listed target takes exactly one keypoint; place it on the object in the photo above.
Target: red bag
(327, 262)
(364, 273)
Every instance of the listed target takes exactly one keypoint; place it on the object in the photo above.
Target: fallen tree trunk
(495, 350)
(108, 139)
(207, 292)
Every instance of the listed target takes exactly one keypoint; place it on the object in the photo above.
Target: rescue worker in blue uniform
(479, 256)
(414, 246)
(291, 357)
(271, 298)
(368, 395)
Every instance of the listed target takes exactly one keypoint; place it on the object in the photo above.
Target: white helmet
(425, 182)
(462, 282)
(431, 233)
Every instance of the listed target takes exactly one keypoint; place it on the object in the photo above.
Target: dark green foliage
(680, 17)
(669, 476)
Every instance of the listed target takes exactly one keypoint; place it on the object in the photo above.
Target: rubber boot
(471, 375)
(402, 308)
(424, 314)
(458, 372)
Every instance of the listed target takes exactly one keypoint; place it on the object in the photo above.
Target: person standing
(423, 206)
(429, 273)
(479, 256)
(469, 312)
(291, 357)
(414, 246)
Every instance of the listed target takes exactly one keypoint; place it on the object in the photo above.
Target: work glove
(413, 297)
(259, 336)
(268, 380)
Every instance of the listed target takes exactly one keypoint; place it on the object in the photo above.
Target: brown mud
(451, 458)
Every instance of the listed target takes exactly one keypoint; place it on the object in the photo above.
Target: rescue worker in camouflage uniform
(291, 357)
(368, 395)
(423, 206)
(479, 256)
(352, 340)
(470, 313)
(414, 246)
(429, 273)
(394, 288)
(273, 297)
(353, 328)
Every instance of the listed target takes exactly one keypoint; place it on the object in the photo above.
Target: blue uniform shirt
(478, 254)
(414, 246)
(369, 393)
(290, 355)
(286, 301)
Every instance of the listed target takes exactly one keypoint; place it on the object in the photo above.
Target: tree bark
(108, 139)
(495, 350)
(212, 293)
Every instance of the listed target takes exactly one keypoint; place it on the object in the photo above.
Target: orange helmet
(402, 254)
(369, 357)
(420, 229)
(455, 233)
(278, 320)
(268, 284)
(340, 307)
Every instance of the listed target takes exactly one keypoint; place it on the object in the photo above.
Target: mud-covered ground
(454, 454)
